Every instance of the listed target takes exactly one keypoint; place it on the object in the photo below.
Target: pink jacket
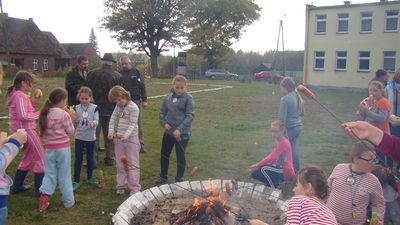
(59, 127)
(21, 111)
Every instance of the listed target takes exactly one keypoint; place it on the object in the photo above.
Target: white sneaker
(133, 192)
(120, 191)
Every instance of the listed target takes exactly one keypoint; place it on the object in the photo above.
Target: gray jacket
(178, 111)
(289, 112)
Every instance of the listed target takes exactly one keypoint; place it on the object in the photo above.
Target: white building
(346, 44)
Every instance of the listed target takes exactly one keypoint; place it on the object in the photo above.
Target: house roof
(24, 37)
(61, 52)
(76, 49)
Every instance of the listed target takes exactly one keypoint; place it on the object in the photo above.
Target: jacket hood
(14, 94)
(55, 113)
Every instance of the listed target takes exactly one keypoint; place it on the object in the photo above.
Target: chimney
(347, 2)
(30, 20)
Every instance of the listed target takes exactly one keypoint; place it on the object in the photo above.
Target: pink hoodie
(59, 127)
(21, 111)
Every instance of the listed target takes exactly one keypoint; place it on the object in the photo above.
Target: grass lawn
(230, 132)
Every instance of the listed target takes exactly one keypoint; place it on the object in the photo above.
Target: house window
(319, 60)
(389, 61)
(343, 23)
(391, 20)
(45, 64)
(321, 24)
(341, 60)
(366, 22)
(35, 64)
(363, 61)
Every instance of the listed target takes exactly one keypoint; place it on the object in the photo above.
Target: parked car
(220, 74)
(268, 76)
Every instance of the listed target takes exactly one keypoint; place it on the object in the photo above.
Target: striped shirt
(365, 190)
(304, 210)
(58, 128)
(124, 120)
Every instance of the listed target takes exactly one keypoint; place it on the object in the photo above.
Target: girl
(291, 110)
(307, 206)
(375, 110)
(123, 129)
(85, 136)
(55, 126)
(22, 114)
(278, 165)
(176, 117)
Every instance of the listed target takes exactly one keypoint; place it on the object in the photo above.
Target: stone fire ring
(149, 197)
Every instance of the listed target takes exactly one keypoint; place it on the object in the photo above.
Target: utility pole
(283, 48)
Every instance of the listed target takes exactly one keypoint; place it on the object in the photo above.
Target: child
(278, 165)
(123, 129)
(389, 186)
(22, 114)
(55, 126)
(375, 110)
(87, 115)
(307, 206)
(7, 153)
(176, 117)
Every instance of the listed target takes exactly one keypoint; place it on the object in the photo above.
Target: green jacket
(101, 80)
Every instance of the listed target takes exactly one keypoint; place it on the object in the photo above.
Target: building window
(363, 61)
(366, 22)
(391, 20)
(35, 64)
(343, 23)
(319, 60)
(389, 61)
(321, 24)
(45, 64)
(341, 60)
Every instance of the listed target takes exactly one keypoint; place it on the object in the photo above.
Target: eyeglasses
(372, 161)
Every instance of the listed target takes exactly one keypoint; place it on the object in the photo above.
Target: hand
(72, 114)
(91, 125)
(124, 138)
(144, 104)
(110, 136)
(37, 94)
(167, 127)
(363, 130)
(20, 136)
(257, 222)
(253, 167)
(177, 135)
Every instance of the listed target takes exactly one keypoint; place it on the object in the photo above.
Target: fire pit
(220, 202)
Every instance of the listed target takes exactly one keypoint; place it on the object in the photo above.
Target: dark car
(220, 74)
(268, 76)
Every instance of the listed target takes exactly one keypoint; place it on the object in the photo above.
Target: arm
(112, 121)
(68, 124)
(96, 117)
(379, 116)
(21, 106)
(189, 114)
(133, 119)
(273, 156)
(363, 130)
(283, 108)
(70, 85)
(10, 149)
(163, 112)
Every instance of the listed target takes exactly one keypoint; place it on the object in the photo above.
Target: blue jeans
(3, 215)
(58, 166)
(294, 133)
(79, 148)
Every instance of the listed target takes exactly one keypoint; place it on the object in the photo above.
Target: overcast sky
(71, 21)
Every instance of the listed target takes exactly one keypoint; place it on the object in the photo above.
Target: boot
(19, 182)
(38, 183)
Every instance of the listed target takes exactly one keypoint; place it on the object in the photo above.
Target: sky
(72, 20)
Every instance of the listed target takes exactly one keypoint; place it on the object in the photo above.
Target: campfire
(212, 209)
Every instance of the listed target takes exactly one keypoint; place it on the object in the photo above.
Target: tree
(148, 26)
(215, 24)
(93, 41)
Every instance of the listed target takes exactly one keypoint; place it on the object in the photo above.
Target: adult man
(101, 80)
(75, 79)
(133, 82)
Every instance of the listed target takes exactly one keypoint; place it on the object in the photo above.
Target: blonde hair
(85, 90)
(118, 92)
(179, 78)
(281, 127)
(361, 147)
(379, 85)
(289, 84)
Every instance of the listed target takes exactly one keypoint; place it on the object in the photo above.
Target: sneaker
(161, 181)
(177, 180)
(23, 188)
(133, 192)
(75, 185)
(43, 202)
(120, 191)
(93, 181)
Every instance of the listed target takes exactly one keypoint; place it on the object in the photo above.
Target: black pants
(79, 148)
(270, 175)
(168, 142)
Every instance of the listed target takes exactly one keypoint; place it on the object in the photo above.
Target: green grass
(230, 132)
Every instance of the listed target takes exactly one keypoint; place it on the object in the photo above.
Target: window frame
(319, 58)
(344, 19)
(391, 17)
(45, 64)
(35, 64)
(365, 18)
(317, 21)
(337, 58)
(364, 58)
(389, 58)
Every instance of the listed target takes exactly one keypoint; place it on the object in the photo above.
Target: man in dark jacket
(75, 79)
(101, 80)
(133, 82)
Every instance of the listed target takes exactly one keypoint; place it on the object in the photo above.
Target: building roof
(24, 37)
(76, 49)
(61, 52)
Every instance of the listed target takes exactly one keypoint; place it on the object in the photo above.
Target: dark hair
(56, 96)
(380, 73)
(385, 176)
(361, 147)
(316, 177)
(21, 76)
(82, 58)
(117, 92)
